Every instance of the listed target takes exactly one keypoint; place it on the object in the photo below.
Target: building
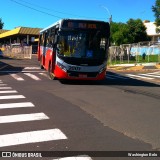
(23, 35)
(151, 30)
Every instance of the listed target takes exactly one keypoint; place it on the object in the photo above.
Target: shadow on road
(8, 65)
(115, 82)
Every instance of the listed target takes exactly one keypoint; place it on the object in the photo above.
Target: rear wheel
(40, 63)
(50, 73)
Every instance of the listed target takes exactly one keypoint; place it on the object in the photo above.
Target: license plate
(83, 75)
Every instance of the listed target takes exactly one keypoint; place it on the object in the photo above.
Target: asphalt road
(120, 113)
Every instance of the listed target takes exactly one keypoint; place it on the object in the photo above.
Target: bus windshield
(82, 44)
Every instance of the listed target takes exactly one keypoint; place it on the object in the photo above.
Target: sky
(42, 13)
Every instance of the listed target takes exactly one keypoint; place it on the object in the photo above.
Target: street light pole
(110, 18)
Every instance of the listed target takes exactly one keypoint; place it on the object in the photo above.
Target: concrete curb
(133, 67)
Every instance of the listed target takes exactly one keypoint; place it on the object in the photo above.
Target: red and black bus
(75, 49)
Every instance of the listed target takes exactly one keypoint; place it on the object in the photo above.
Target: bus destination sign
(80, 25)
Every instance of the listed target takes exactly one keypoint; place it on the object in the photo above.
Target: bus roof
(54, 24)
(60, 21)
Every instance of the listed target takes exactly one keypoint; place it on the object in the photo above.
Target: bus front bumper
(73, 75)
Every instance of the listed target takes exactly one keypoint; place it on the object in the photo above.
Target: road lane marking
(31, 137)
(149, 75)
(12, 91)
(3, 84)
(44, 74)
(32, 76)
(12, 97)
(23, 117)
(32, 68)
(81, 157)
(136, 76)
(155, 72)
(20, 71)
(16, 105)
(5, 87)
(17, 77)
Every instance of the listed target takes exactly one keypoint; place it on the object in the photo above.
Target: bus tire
(40, 63)
(51, 75)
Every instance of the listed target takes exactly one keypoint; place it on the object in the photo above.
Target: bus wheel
(51, 75)
(40, 63)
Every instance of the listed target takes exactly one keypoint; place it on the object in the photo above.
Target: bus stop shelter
(19, 35)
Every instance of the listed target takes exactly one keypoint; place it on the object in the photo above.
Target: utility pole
(110, 18)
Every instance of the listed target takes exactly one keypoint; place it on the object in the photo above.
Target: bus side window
(42, 39)
(51, 38)
(45, 39)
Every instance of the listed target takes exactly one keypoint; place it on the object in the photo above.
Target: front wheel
(50, 73)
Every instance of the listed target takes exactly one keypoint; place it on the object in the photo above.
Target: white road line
(148, 75)
(12, 91)
(32, 68)
(158, 72)
(154, 73)
(27, 71)
(16, 105)
(32, 76)
(17, 77)
(23, 117)
(32, 71)
(12, 97)
(31, 137)
(5, 87)
(136, 76)
(3, 84)
(44, 74)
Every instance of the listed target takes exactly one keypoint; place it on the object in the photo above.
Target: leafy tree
(131, 32)
(156, 10)
(136, 31)
(1, 23)
(119, 33)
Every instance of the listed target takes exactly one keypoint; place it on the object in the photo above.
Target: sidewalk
(134, 67)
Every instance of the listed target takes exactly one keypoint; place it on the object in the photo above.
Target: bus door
(55, 41)
(52, 63)
(44, 48)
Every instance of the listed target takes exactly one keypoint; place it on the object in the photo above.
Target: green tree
(119, 33)
(1, 23)
(133, 31)
(156, 10)
(136, 31)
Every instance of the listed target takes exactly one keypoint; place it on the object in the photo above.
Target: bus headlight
(62, 66)
(102, 70)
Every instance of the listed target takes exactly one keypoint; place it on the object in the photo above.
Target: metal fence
(19, 52)
(141, 52)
